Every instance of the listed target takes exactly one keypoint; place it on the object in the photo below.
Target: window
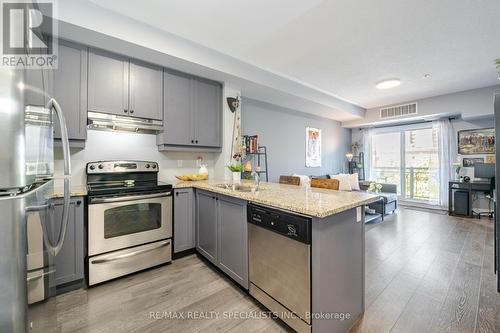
(408, 158)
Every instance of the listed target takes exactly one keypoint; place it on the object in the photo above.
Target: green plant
(235, 167)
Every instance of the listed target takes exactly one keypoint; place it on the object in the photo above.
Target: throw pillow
(354, 182)
(344, 182)
(304, 180)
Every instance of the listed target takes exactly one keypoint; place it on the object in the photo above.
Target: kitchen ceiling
(344, 47)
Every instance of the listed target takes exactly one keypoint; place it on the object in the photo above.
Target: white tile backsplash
(106, 145)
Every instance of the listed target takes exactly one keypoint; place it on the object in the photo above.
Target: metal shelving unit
(257, 159)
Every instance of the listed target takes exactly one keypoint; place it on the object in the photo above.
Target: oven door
(121, 222)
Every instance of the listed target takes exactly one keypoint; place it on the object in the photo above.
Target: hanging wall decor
(313, 147)
(476, 141)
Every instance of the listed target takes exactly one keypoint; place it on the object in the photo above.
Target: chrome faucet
(256, 179)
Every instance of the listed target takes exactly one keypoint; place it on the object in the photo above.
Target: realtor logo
(27, 30)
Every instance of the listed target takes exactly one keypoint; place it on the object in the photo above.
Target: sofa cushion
(388, 197)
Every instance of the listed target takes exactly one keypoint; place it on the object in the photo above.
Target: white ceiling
(344, 47)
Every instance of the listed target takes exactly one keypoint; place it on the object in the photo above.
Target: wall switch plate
(179, 163)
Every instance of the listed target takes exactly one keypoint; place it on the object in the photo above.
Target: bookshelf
(257, 159)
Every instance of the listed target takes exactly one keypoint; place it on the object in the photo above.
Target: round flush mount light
(427, 76)
(387, 84)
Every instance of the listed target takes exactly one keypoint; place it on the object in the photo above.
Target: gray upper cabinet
(108, 83)
(70, 260)
(146, 91)
(70, 89)
(206, 225)
(177, 122)
(208, 113)
(184, 226)
(192, 114)
(232, 242)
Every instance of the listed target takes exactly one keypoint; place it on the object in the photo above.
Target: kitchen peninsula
(298, 250)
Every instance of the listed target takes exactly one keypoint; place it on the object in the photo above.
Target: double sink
(239, 187)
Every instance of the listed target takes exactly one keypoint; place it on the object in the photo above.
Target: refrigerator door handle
(52, 104)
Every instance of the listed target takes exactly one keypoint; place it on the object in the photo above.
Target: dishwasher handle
(289, 225)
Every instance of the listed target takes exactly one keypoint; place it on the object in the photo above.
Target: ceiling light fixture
(387, 84)
(427, 76)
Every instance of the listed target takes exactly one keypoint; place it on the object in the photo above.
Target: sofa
(389, 195)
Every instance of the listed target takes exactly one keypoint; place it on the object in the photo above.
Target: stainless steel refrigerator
(497, 180)
(28, 246)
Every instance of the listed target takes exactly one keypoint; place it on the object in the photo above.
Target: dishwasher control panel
(286, 224)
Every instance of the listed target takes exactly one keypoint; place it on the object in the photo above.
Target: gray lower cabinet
(206, 225)
(192, 114)
(184, 226)
(108, 83)
(232, 241)
(70, 91)
(221, 233)
(70, 260)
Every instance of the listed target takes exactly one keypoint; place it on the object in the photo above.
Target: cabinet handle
(78, 202)
(195, 141)
(131, 111)
(177, 194)
(124, 110)
(192, 141)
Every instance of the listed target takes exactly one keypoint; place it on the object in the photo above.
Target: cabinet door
(108, 83)
(177, 110)
(70, 89)
(70, 260)
(206, 225)
(184, 226)
(208, 113)
(146, 91)
(232, 242)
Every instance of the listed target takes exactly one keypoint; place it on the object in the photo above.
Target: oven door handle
(130, 254)
(129, 198)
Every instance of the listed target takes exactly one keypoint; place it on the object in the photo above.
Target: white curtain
(366, 135)
(446, 144)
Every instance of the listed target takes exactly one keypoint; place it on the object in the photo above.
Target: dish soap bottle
(203, 167)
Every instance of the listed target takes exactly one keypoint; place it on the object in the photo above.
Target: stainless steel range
(129, 218)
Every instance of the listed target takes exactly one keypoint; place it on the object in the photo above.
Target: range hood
(109, 122)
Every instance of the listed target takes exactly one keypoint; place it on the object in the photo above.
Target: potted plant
(236, 168)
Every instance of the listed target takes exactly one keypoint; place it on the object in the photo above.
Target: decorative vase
(236, 177)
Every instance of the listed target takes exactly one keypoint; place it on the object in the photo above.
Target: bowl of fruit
(193, 176)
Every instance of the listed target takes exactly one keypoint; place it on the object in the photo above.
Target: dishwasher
(280, 264)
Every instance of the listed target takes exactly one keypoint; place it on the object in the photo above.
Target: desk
(463, 186)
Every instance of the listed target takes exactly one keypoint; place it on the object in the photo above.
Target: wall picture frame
(313, 147)
(476, 141)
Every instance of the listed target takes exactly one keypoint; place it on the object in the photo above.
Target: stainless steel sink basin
(238, 187)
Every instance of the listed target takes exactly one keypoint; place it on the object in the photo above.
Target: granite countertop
(303, 200)
(77, 190)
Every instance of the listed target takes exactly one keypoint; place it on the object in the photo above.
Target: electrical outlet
(179, 163)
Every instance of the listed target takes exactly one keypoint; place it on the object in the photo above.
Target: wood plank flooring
(425, 272)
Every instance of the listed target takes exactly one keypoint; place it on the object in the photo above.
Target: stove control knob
(147, 166)
(92, 167)
(100, 166)
(154, 166)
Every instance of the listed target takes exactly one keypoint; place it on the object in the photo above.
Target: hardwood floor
(425, 272)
